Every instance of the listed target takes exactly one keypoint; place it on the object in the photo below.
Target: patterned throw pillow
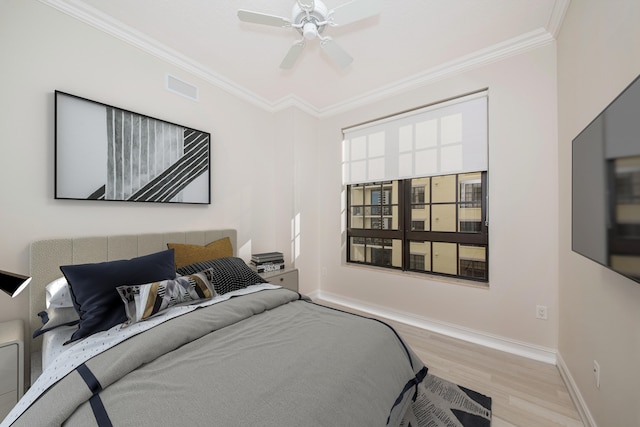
(189, 254)
(229, 274)
(144, 301)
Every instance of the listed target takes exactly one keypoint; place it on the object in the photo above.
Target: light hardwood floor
(524, 392)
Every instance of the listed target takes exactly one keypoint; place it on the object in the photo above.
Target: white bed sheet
(52, 343)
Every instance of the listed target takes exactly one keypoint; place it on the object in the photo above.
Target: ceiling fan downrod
(306, 5)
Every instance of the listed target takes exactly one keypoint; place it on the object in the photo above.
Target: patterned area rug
(441, 403)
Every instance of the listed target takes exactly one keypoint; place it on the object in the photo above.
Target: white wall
(43, 50)
(598, 56)
(523, 206)
(298, 144)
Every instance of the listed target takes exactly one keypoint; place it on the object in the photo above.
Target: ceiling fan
(310, 18)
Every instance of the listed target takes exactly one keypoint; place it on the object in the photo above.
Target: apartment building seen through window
(417, 187)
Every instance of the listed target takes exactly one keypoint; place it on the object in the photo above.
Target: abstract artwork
(108, 153)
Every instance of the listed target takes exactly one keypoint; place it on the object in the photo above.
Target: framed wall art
(108, 153)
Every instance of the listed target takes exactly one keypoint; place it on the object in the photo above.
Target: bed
(232, 351)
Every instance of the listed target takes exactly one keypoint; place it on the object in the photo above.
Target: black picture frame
(109, 153)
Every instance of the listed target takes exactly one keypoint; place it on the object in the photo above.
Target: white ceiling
(410, 42)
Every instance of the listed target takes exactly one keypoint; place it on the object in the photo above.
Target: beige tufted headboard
(48, 255)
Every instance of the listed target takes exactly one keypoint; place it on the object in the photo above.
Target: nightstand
(287, 278)
(11, 364)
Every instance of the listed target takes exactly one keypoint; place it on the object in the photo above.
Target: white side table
(11, 365)
(287, 278)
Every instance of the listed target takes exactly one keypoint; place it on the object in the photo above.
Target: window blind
(444, 138)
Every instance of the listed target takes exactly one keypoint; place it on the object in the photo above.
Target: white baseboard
(576, 396)
(529, 351)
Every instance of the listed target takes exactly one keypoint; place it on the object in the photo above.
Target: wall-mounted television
(606, 186)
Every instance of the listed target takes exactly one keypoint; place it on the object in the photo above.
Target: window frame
(406, 235)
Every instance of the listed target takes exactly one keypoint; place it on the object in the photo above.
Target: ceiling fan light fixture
(310, 31)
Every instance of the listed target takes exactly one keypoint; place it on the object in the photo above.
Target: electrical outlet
(541, 312)
(596, 373)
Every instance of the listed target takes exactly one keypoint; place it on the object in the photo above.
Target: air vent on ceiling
(181, 87)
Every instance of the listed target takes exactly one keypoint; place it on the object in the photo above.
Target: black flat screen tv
(606, 186)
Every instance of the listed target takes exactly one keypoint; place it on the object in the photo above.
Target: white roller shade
(446, 138)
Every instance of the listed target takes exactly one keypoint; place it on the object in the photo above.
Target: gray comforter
(264, 359)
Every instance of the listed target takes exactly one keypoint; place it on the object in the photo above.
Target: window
(417, 225)
(417, 189)
(417, 194)
(448, 234)
(416, 262)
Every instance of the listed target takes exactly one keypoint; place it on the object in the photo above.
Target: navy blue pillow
(94, 293)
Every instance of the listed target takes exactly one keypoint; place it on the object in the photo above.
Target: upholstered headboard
(48, 255)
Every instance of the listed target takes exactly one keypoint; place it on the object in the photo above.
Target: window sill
(422, 276)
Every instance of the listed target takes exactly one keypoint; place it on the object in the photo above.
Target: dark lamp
(13, 283)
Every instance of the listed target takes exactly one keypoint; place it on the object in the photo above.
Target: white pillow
(58, 294)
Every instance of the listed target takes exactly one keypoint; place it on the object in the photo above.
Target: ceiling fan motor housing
(308, 22)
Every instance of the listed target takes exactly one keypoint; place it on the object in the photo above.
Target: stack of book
(268, 261)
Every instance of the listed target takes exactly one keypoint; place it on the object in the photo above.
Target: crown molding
(514, 46)
(296, 102)
(101, 21)
(558, 13)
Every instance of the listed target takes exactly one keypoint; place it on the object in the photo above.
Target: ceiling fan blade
(294, 51)
(263, 18)
(335, 52)
(355, 10)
